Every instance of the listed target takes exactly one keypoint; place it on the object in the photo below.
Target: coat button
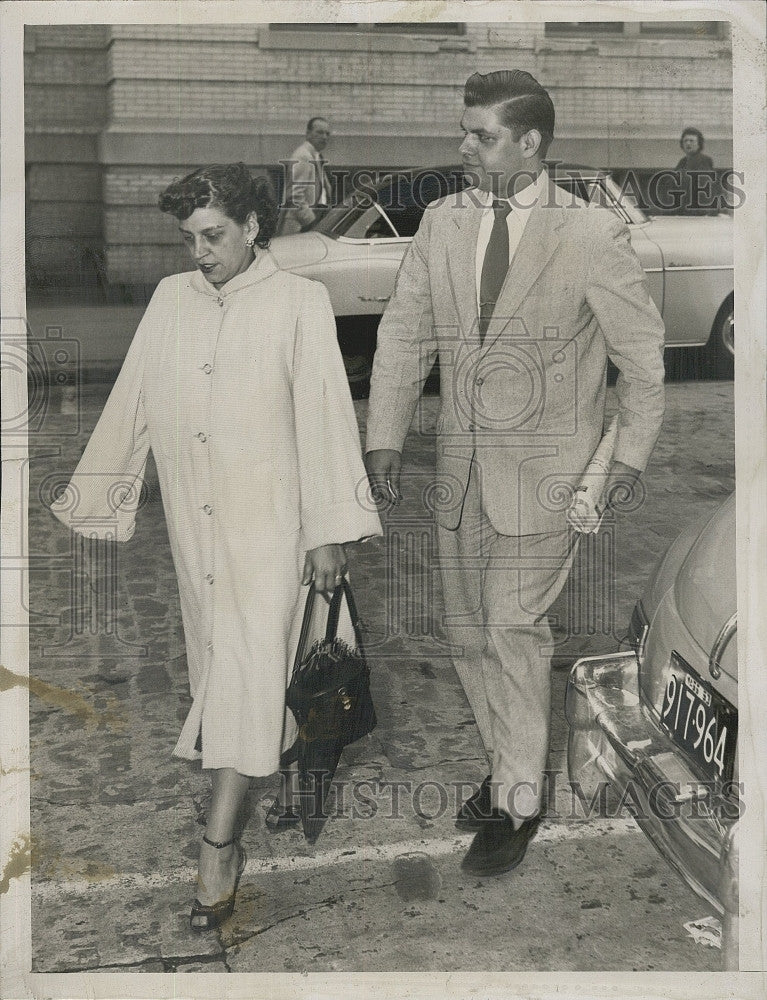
(220, 301)
(479, 381)
(207, 369)
(202, 437)
(209, 578)
(207, 508)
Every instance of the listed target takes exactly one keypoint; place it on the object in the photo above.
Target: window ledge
(621, 45)
(352, 41)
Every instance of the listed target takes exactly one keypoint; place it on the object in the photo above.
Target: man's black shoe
(476, 810)
(497, 846)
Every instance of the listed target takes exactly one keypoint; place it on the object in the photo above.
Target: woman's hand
(325, 566)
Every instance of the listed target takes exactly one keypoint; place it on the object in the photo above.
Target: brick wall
(171, 97)
(65, 110)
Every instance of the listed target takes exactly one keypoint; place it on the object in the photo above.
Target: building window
(584, 28)
(682, 29)
(647, 29)
(379, 28)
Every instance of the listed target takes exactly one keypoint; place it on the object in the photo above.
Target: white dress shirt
(522, 204)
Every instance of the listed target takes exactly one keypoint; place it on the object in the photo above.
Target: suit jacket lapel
(462, 266)
(539, 241)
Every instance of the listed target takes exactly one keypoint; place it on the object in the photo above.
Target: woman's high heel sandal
(282, 814)
(208, 918)
(281, 817)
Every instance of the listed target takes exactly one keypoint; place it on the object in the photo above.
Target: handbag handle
(334, 612)
(342, 590)
(305, 624)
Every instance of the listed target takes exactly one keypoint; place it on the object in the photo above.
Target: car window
(338, 220)
(629, 206)
(394, 209)
(579, 186)
(601, 191)
(400, 201)
(406, 199)
(368, 225)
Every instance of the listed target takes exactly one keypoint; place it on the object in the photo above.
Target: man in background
(307, 187)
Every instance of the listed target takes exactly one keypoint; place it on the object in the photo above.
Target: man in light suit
(523, 291)
(307, 185)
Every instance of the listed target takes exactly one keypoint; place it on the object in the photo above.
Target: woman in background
(235, 381)
(700, 192)
(692, 146)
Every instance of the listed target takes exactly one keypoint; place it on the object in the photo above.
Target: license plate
(700, 721)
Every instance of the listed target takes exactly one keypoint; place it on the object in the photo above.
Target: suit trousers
(497, 592)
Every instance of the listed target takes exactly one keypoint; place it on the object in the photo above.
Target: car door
(361, 265)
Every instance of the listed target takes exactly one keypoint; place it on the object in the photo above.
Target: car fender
(698, 274)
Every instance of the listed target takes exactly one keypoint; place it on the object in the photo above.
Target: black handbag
(329, 690)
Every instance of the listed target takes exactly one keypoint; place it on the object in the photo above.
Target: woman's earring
(251, 241)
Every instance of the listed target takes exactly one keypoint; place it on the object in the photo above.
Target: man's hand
(589, 502)
(383, 467)
(621, 481)
(325, 566)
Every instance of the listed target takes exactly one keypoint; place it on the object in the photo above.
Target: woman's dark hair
(525, 104)
(698, 135)
(229, 187)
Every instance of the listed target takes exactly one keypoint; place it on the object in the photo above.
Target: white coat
(242, 396)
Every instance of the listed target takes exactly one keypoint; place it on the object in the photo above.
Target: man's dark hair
(698, 135)
(524, 103)
(312, 121)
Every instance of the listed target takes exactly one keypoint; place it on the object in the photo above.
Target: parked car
(356, 248)
(656, 726)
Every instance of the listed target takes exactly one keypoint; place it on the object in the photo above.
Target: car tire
(721, 344)
(358, 371)
(357, 340)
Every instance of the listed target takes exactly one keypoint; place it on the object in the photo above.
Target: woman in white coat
(235, 381)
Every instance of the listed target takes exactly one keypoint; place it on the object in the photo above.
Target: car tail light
(638, 629)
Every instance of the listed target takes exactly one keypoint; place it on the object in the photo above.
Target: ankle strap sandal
(208, 918)
(218, 844)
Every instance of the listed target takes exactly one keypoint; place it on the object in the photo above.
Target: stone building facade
(114, 112)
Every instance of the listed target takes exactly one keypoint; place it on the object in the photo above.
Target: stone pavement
(116, 821)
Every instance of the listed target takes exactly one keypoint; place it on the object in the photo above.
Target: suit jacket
(305, 185)
(527, 403)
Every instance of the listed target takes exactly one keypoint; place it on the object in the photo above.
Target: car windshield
(393, 208)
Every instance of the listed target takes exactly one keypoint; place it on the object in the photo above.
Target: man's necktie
(322, 194)
(494, 266)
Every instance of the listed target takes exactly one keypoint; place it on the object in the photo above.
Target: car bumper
(619, 758)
